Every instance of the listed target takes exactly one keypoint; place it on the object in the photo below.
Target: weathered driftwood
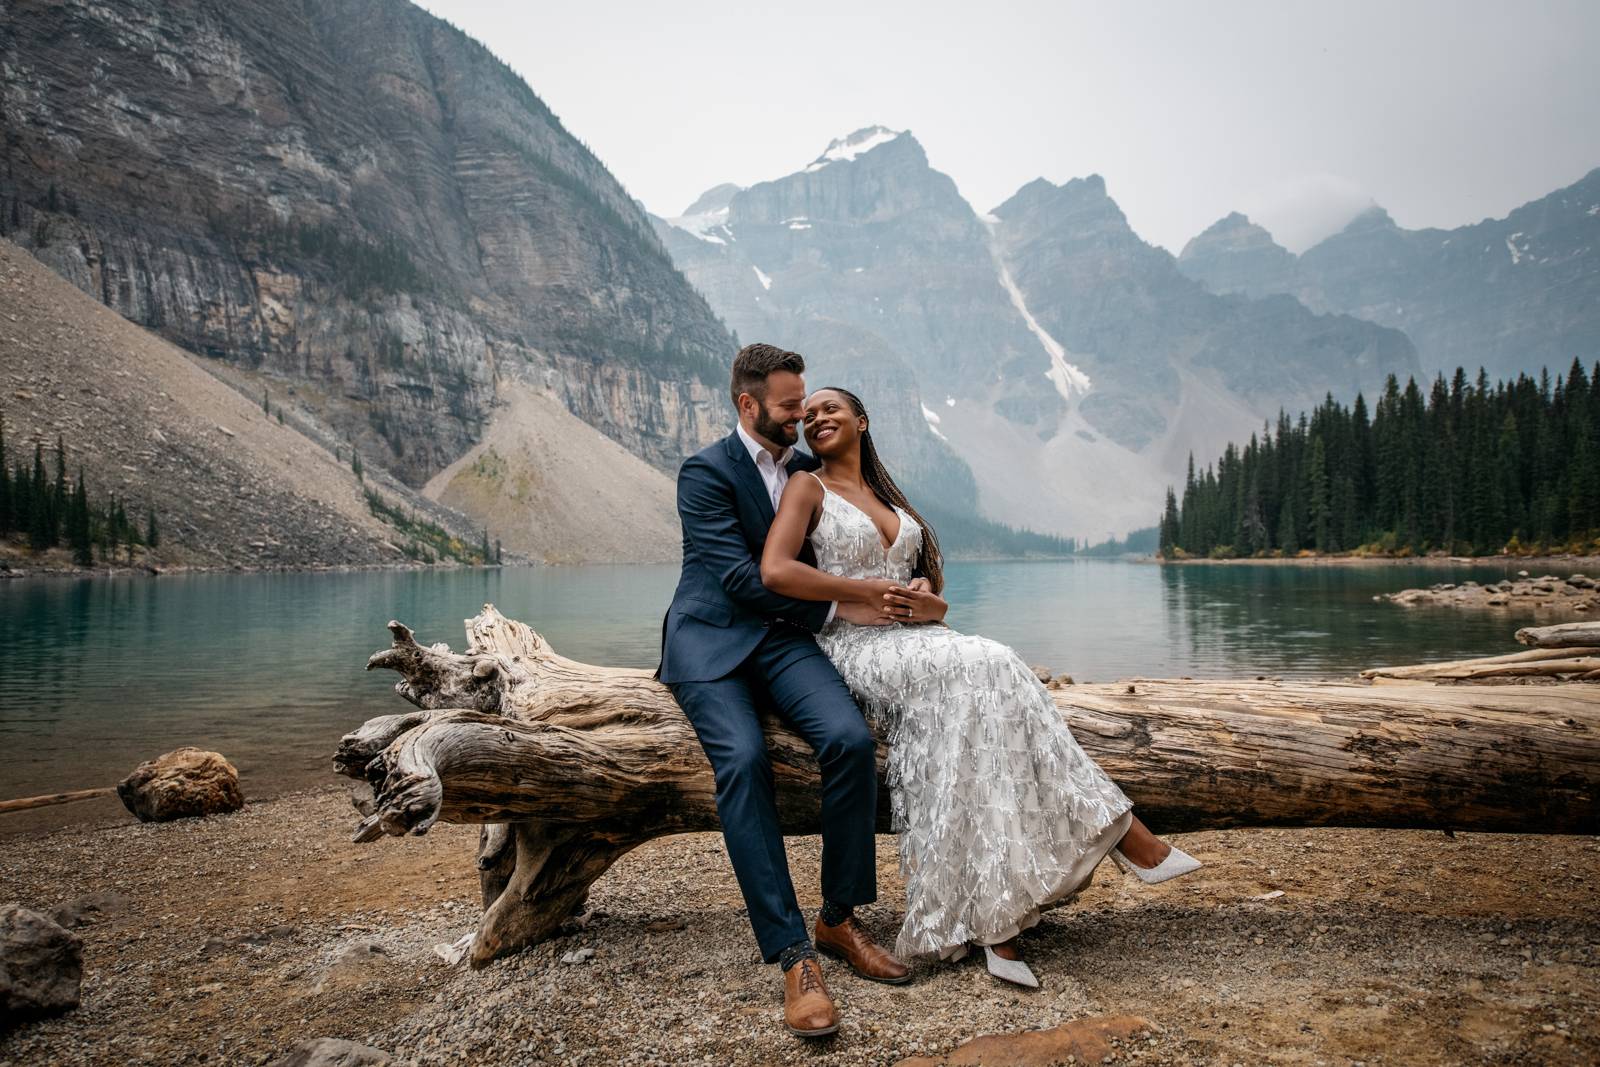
(45, 801)
(1563, 635)
(1533, 662)
(569, 766)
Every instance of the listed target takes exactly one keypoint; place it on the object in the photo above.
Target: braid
(929, 559)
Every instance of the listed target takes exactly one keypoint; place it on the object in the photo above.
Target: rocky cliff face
(351, 195)
(1059, 362)
(1510, 295)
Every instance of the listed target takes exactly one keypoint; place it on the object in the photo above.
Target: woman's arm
(781, 569)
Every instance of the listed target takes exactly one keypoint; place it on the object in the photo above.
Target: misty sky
(1299, 114)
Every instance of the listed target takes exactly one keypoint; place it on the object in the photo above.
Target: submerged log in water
(569, 766)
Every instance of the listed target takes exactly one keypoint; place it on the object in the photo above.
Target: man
(727, 643)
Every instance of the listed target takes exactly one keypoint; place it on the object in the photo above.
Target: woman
(1000, 812)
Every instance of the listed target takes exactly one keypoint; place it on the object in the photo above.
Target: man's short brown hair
(754, 362)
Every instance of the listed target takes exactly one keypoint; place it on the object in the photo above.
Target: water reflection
(96, 674)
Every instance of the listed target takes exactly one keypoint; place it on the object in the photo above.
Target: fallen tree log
(1562, 635)
(1533, 662)
(569, 766)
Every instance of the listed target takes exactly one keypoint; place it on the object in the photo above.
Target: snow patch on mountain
(932, 419)
(859, 143)
(1069, 380)
(711, 226)
(1511, 246)
(762, 277)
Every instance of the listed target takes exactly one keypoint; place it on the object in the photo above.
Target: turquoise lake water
(97, 674)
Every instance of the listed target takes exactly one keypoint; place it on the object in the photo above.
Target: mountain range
(1508, 295)
(1064, 367)
(352, 205)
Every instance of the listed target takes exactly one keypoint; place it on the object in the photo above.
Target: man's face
(776, 420)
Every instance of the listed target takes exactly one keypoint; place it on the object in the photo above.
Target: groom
(727, 644)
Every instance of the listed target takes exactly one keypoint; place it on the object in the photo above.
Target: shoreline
(1349, 561)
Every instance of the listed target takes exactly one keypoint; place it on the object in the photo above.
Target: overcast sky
(1299, 114)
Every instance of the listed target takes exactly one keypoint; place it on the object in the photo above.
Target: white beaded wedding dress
(1000, 813)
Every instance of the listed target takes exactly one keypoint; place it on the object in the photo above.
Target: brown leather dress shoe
(808, 1010)
(850, 942)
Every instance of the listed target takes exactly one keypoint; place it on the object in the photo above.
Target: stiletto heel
(1014, 971)
(1177, 863)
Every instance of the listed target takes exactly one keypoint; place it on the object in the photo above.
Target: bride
(1000, 812)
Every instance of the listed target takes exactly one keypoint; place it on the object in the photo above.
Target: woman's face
(832, 426)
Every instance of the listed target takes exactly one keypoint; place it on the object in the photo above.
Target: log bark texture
(569, 766)
(1562, 635)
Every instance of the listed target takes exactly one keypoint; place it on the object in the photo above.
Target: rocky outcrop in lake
(1576, 592)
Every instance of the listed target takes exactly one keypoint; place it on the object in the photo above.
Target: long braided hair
(929, 559)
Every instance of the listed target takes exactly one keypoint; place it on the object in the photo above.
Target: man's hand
(908, 603)
(862, 614)
(920, 585)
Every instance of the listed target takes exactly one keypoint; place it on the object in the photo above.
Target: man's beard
(774, 431)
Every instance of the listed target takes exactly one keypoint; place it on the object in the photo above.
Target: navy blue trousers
(807, 691)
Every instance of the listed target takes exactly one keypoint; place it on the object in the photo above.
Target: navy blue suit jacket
(721, 611)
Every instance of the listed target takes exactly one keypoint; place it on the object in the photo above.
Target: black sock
(834, 914)
(800, 950)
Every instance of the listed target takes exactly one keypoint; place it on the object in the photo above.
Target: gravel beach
(232, 938)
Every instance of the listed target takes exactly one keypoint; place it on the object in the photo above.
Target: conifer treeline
(1468, 468)
(49, 511)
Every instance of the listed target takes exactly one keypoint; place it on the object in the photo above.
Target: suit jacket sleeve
(706, 509)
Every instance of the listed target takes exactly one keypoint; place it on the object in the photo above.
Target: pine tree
(1317, 489)
(58, 494)
(497, 551)
(1288, 538)
(1168, 538)
(152, 536)
(355, 465)
(79, 525)
(39, 507)
(483, 548)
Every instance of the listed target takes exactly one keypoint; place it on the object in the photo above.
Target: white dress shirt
(774, 477)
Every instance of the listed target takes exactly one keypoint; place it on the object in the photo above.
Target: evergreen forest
(1465, 468)
(39, 505)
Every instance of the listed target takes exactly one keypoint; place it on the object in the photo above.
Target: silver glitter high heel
(1177, 863)
(1014, 971)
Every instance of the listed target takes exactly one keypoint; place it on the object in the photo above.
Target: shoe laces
(810, 976)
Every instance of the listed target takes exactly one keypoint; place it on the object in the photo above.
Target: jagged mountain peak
(714, 199)
(1080, 198)
(857, 144)
(1234, 232)
(1373, 218)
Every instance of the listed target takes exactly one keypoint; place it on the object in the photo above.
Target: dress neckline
(898, 514)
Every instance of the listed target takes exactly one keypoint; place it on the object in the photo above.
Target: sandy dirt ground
(230, 939)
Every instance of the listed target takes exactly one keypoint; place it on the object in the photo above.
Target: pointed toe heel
(1177, 864)
(1013, 971)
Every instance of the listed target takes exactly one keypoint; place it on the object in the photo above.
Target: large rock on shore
(180, 784)
(41, 966)
(333, 1052)
(1094, 1040)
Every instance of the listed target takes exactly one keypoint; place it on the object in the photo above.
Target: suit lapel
(745, 470)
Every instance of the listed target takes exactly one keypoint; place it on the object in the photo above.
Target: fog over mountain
(1509, 295)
